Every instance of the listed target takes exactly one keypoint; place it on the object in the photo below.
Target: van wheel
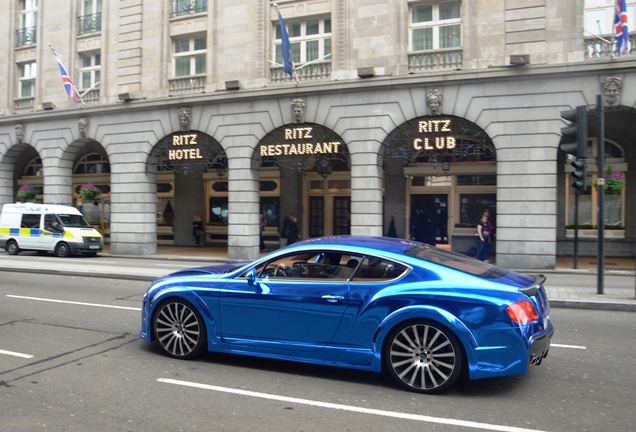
(12, 248)
(62, 250)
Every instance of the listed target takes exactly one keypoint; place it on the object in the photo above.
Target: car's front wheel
(423, 356)
(179, 329)
(62, 250)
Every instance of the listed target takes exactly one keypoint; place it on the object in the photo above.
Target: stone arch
(180, 162)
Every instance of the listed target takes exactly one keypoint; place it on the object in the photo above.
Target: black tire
(423, 356)
(179, 329)
(62, 250)
(12, 247)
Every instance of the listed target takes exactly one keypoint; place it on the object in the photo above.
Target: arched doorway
(310, 162)
(191, 175)
(440, 176)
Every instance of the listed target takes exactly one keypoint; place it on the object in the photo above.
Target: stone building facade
(397, 111)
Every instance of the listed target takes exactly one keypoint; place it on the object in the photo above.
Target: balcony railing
(435, 60)
(313, 71)
(91, 96)
(24, 104)
(89, 24)
(187, 7)
(189, 84)
(598, 48)
(25, 36)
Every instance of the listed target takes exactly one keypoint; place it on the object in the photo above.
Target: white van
(47, 228)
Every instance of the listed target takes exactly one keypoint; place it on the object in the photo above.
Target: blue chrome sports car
(420, 313)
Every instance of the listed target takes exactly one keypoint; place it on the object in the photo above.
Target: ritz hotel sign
(438, 142)
(299, 148)
(183, 151)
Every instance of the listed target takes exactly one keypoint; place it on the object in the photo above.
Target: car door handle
(333, 298)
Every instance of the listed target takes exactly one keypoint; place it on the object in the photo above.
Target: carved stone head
(434, 101)
(19, 133)
(184, 118)
(612, 88)
(298, 109)
(82, 125)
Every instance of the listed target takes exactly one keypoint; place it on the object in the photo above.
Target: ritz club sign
(438, 140)
(297, 141)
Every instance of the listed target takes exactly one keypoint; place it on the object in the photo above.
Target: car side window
(30, 221)
(315, 265)
(378, 269)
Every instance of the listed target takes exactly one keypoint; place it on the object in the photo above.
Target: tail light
(522, 312)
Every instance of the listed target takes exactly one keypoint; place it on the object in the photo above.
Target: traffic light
(579, 175)
(576, 132)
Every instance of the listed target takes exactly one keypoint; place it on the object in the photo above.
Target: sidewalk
(584, 297)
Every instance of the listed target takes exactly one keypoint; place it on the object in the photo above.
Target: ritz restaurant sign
(299, 140)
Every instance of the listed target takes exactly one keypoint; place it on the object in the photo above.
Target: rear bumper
(539, 348)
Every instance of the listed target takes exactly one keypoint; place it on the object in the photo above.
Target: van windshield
(73, 221)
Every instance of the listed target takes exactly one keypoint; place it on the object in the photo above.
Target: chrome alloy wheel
(179, 329)
(423, 357)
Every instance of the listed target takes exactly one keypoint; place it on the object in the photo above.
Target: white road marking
(16, 354)
(176, 265)
(568, 346)
(73, 303)
(406, 416)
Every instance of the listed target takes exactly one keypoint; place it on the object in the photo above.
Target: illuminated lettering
(299, 149)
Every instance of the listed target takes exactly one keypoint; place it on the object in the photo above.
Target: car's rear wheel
(423, 356)
(12, 247)
(179, 329)
(62, 250)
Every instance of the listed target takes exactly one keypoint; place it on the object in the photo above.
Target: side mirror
(251, 277)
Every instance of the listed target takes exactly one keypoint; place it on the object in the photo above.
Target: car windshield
(456, 261)
(73, 221)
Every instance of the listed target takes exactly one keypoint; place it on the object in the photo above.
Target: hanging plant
(27, 192)
(614, 181)
(89, 192)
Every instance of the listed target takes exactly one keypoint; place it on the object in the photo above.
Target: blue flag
(288, 63)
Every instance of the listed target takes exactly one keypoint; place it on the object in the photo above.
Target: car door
(300, 313)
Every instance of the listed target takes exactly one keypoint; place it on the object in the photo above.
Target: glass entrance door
(429, 218)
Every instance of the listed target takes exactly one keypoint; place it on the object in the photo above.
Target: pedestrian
(483, 232)
(430, 229)
(262, 227)
(292, 234)
(197, 229)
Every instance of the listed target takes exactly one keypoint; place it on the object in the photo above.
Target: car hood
(216, 269)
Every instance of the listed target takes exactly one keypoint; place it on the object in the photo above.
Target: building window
(310, 40)
(28, 72)
(92, 163)
(436, 26)
(473, 206)
(187, 7)
(33, 168)
(190, 56)
(90, 70)
(27, 34)
(91, 19)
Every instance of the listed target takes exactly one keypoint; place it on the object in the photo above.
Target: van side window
(30, 221)
(51, 223)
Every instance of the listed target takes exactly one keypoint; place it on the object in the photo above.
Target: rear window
(457, 261)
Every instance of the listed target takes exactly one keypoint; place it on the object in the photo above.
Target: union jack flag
(66, 79)
(620, 28)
